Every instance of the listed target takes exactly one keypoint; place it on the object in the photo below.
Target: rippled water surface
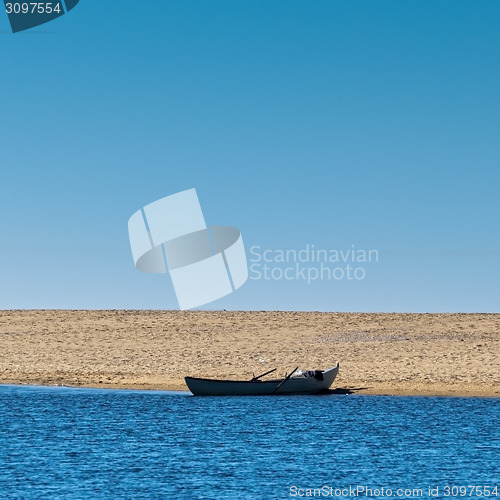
(84, 443)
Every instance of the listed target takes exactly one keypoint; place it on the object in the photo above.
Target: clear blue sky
(330, 123)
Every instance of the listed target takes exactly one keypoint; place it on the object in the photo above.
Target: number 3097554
(33, 8)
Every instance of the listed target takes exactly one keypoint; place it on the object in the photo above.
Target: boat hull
(294, 385)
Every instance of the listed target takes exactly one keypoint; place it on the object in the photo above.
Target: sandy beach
(400, 354)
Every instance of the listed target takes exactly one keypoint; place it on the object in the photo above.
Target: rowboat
(309, 382)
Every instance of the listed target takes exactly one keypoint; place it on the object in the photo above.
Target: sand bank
(412, 354)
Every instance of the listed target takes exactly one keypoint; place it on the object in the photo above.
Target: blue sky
(326, 123)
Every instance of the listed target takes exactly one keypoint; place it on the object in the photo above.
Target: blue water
(84, 443)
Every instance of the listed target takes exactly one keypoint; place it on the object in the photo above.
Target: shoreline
(335, 391)
(414, 354)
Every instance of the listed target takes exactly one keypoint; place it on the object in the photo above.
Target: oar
(283, 381)
(263, 375)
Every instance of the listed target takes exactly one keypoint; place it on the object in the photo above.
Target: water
(84, 443)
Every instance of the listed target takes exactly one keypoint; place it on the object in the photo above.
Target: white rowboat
(306, 383)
